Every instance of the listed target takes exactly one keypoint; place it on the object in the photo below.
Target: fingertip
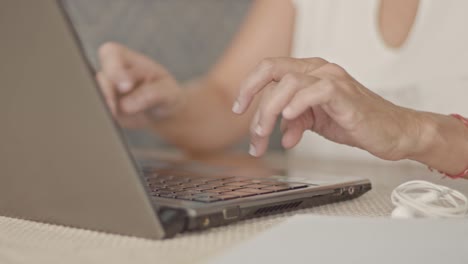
(287, 143)
(291, 138)
(288, 113)
(124, 86)
(236, 108)
(253, 150)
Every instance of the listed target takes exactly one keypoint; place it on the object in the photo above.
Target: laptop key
(213, 180)
(209, 185)
(196, 182)
(156, 187)
(237, 184)
(164, 192)
(193, 192)
(231, 179)
(199, 189)
(258, 185)
(183, 192)
(174, 182)
(172, 189)
(224, 188)
(168, 195)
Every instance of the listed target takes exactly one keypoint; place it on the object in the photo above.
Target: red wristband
(461, 118)
(465, 172)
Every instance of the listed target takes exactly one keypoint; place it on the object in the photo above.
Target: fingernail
(258, 130)
(236, 107)
(125, 86)
(252, 150)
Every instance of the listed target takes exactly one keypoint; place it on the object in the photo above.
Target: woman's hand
(313, 94)
(136, 89)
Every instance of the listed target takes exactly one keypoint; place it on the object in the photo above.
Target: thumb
(294, 129)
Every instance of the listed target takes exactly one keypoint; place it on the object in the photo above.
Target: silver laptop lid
(62, 159)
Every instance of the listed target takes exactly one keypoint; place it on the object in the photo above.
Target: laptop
(64, 160)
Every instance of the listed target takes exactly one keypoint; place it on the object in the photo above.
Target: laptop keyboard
(213, 189)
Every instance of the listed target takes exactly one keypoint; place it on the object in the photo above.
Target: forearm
(442, 143)
(205, 123)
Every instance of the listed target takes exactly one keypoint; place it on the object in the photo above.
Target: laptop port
(231, 213)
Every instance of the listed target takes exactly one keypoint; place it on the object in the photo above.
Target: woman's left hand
(313, 94)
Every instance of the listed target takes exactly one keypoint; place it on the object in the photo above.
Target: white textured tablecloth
(30, 242)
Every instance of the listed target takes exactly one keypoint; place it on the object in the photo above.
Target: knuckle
(318, 60)
(266, 64)
(336, 69)
(291, 79)
(313, 63)
(346, 86)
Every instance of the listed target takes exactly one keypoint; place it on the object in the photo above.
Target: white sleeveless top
(429, 72)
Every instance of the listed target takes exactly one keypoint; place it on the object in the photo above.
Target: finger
(108, 92)
(147, 96)
(125, 68)
(294, 129)
(318, 93)
(258, 144)
(292, 135)
(278, 98)
(271, 70)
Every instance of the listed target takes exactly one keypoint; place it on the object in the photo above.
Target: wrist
(416, 132)
(425, 136)
(442, 143)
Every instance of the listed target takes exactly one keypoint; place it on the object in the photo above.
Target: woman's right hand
(137, 90)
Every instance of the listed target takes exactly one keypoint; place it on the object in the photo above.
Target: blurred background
(185, 36)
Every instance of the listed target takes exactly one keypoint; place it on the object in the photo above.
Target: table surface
(24, 241)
